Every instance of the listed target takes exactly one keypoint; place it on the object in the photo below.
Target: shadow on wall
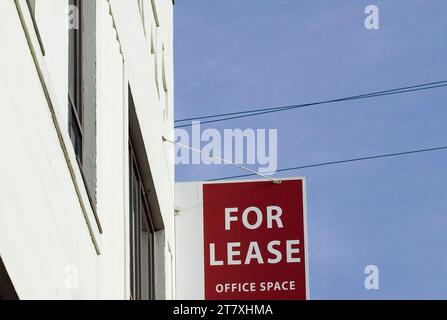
(7, 291)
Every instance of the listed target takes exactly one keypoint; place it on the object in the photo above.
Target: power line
(308, 105)
(332, 100)
(273, 108)
(386, 155)
(256, 112)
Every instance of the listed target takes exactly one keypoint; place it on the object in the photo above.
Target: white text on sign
(254, 218)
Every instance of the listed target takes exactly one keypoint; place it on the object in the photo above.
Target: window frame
(75, 103)
(139, 209)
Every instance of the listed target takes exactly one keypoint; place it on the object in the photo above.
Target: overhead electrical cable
(256, 112)
(321, 164)
(272, 108)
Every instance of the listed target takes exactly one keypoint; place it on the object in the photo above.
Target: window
(82, 92)
(75, 103)
(141, 236)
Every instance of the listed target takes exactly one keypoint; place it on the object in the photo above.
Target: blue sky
(235, 55)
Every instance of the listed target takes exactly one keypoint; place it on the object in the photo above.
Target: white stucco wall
(48, 233)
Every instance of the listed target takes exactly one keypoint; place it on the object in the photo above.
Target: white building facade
(86, 181)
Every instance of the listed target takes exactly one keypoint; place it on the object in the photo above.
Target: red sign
(255, 241)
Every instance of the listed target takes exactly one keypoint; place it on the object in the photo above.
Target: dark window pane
(75, 83)
(147, 249)
(141, 236)
(71, 66)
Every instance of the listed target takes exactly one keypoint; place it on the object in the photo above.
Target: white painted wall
(140, 65)
(112, 148)
(42, 228)
(48, 234)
